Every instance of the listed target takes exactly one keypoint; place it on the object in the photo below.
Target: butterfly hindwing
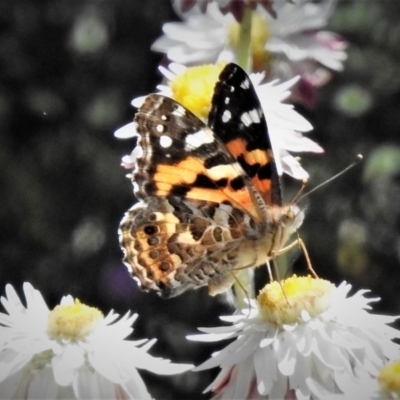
(237, 117)
(173, 245)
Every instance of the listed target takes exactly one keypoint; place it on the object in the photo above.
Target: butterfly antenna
(354, 163)
(297, 195)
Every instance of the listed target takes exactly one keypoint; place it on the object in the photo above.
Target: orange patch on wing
(261, 157)
(262, 185)
(241, 199)
(236, 147)
(257, 157)
(186, 172)
(183, 173)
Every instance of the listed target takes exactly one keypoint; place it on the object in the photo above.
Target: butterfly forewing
(238, 119)
(181, 157)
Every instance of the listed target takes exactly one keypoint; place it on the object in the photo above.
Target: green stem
(243, 48)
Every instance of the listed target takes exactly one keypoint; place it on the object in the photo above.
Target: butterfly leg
(271, 278)
(298, 242)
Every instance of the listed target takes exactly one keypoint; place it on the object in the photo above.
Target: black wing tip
(231, 71)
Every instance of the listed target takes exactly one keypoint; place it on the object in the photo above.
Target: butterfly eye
(288, 216)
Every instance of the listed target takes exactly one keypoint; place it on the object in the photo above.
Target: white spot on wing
(160, 128)
(245, 84)
(227, 100)
(197, 139)
(165, 141)
(246, 119)
(255, 116)
(226, 116)
(251, 117)
(230, 171)
(179, 111)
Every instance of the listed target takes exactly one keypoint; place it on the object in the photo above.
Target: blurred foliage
(69, 70)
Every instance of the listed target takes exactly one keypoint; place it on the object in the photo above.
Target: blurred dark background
(69, 70)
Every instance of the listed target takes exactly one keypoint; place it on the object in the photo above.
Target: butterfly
(209, 196)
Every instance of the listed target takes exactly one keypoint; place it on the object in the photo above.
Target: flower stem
(243, 49)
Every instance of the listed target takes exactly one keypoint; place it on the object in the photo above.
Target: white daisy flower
(303, 339)
(285, 124)
(71, 352)
(289, 45)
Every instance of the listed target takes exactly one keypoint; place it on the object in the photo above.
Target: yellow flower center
(260, 34)
(389, 378)
(195, 87)
(283, 302)
(72, 322)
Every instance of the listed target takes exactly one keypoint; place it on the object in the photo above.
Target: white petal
(135, 387)
(92, 385)
(235, 318)
(65, 364)
(127, 131)
(148, 345)
(228, 355)
(222, 377)
(279, 388)
(12, 302)
(293, 168)
(241, 349)
(317, 389)
(287, 354)
(265, 365)
(298, 379)
(215, 334)
(167, 73)
(326, 352)
(117, 362)
(67, 300)
(138, 101)
(270, 336)
(43, 385)
(11, 362)
(106, 363)
(300, 16)
(15, 386)
(34, 301)
(186, 55)
(240, 381)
